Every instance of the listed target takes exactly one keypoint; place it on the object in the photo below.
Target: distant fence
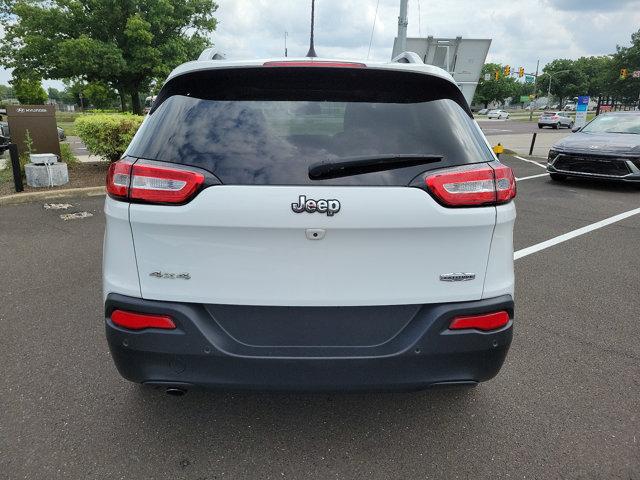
(610, 104)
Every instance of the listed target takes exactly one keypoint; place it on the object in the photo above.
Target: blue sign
(581, 111)
(583, 104)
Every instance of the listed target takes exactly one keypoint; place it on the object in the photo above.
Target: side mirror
(576, 129)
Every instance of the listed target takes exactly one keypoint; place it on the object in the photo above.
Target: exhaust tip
(175, 391)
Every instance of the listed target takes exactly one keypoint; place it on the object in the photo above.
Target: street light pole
(551, 77)
(535, 89)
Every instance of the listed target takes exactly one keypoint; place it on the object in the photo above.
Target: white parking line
(576, 233)
(530, 161)
(532, 176)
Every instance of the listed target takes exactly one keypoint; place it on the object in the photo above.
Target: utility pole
(312, 51)
(403, 22)
(535, 88)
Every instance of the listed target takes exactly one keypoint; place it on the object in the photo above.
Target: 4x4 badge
(170, 276)
(330, 207)
(457, 277)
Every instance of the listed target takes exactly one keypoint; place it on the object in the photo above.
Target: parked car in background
(608, 147)
(498, 114)
(555, 120)
(570, 107)
(148, 103)
(374, 179)
(483, 111)
(5, 140)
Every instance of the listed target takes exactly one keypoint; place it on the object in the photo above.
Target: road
(512, 127)
(566, 404)
(517, 135)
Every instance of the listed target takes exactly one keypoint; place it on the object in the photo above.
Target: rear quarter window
(267, 126)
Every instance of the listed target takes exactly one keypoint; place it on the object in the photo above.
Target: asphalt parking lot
(566, 404)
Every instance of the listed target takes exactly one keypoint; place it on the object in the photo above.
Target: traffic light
(497, 75)
(507, 70)
(521, 72)
(624, 73)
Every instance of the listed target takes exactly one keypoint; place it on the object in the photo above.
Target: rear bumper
(202, 353)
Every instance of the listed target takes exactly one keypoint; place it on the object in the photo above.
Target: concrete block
(46, 175)
(43, 158)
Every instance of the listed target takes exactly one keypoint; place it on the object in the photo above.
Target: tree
(566, 77)
(123, 44)
(6, 92)
(598, 72)
(29, 91)
(96, 94)
(629, 58)
(54, 94)
(100, 95)
(493, 90)
(523, 89)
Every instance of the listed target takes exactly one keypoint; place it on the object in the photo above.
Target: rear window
(267, 126)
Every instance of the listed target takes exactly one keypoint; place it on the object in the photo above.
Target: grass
(68, 127)
(6, 174)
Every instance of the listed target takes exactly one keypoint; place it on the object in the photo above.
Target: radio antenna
(312, 51)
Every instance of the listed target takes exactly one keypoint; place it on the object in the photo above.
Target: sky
(522, 31)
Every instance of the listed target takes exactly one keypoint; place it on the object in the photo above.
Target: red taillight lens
(118, 178)
(140, 321)
(505, 183)
(157, 184)
(314, 63)
(473, 185)
(152, 183)
(485, 322)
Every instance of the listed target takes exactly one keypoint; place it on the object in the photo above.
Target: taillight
(472, 185)
(152, 183)
(484, 322)
(118, 178)
(156, 184)
(505, 183)
(140, 321)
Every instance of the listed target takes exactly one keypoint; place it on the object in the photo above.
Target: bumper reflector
(140, 321)
(484, 322)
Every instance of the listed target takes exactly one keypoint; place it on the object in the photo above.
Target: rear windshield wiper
(348, 166)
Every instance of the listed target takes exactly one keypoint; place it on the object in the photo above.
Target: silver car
(498, 115)
(555, 120)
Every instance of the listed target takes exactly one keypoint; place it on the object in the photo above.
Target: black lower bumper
(200, 352)
(598, 168)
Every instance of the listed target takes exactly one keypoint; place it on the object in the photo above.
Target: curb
(18, 198)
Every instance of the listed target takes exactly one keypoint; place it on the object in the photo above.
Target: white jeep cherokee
(309, 224)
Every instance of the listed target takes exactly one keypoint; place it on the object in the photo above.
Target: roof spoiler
(210, 54)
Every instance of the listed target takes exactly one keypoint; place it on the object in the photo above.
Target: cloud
(591, 5)
(522, 31)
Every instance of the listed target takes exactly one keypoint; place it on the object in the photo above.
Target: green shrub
(6, 173)
(107, 134)
(66, 155)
